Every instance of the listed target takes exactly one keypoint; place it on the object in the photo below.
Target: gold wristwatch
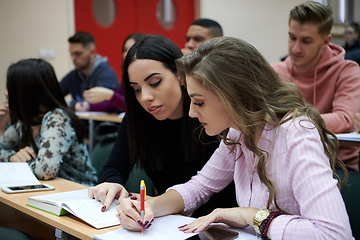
(259, 217)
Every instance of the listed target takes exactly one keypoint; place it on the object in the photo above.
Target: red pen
(142, 201)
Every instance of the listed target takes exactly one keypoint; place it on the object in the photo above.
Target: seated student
(274, 146)
(326, 80)
(156, 129)
(46, 133)
(352, 36)
(91, 69)
(352, 42)
(104, 99)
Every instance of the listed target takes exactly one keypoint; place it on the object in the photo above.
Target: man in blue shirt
(91, 69)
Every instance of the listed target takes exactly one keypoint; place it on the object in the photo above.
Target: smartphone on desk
(215, 233)
(28, 188)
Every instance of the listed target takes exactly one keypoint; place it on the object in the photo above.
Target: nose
(190, 44)
(296, 47)
(192, 112)
(146, 95)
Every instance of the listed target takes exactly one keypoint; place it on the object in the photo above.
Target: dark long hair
(145, 142)
(31, 84)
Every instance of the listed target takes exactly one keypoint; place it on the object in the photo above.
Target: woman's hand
(238, 217)
(129, 215)
(357, 122)
(98, 94)
(82, 106)
(23, 155)
(107, 192)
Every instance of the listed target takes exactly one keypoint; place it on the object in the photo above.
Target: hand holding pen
(129, 213)
(78, 98)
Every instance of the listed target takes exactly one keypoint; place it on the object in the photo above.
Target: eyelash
(156, 84)
(199, 104)
(152, 85)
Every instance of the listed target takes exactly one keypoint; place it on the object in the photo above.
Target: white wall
(262, 23)
(27, 26)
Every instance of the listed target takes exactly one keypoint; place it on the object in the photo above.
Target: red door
(131, 16)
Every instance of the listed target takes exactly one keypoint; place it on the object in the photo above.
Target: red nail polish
(130, 194)
(103, 208)
(133, 198)
(194, 230)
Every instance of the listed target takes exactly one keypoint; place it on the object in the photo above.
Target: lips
(203, 124)
(296, 56)
(154, 109)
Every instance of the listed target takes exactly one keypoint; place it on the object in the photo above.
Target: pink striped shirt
(298, 167)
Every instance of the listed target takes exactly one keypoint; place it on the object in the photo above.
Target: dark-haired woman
(46, 133)
(157, 130)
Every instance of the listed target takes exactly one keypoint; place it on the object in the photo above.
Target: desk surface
(109, 117)
(69, 223)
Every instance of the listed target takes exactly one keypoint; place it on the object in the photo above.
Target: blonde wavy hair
(252, 94)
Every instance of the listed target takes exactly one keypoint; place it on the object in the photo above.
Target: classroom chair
(8, 233)
(100, 154)
(99, 157)
(351, 196)
(133, 182)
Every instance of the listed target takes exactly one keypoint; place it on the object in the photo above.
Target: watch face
(262, 214)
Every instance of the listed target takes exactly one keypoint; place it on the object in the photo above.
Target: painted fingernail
(146, 223)
(148, 226)
(103, 208)
(152, 220)
(133, 198)
(182, 226)
(140, 223)
(185, 229)
(130, 194)
(194, 230)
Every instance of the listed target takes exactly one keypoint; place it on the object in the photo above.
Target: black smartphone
(215, 233)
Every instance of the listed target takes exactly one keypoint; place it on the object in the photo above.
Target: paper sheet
(16, 174)
(165, 228)
(161, 229)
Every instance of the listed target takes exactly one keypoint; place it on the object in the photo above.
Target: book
(78, 204)
(14, 174)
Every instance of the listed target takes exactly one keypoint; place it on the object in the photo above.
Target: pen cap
(143, 187)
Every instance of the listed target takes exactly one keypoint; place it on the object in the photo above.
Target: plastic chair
(133, 182)
(100, 155)
(351, 196)
(8, 233)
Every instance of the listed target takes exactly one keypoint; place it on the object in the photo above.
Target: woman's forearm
(168, 203)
